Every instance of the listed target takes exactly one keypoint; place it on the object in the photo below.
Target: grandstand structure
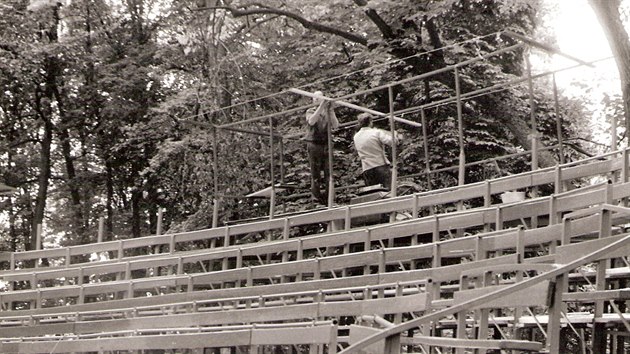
(538, 275)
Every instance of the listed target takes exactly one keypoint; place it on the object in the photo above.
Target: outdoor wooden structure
(513, 277)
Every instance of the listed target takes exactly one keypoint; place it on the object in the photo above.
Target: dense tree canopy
(108, 107)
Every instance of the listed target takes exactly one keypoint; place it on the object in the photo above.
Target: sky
(579, 33)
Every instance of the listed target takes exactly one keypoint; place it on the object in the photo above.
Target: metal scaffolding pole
(215, 172)
(331, 180)
(272, 198)
(392, 126)
(425, 137)
(460, 131)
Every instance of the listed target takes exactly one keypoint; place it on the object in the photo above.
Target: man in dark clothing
(317, 120)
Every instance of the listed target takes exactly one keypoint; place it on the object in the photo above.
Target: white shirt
(369, 143)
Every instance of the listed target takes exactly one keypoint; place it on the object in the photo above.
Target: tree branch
(303, 21)
(385, 29)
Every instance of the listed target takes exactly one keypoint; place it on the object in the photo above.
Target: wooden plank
(207, 234)
(261, 248)
(292, 312)
(398, 254)
(317, 217)
(532, 237)
(295, 335)
(146, 241)
(391, 305)
(525, 209)
(35, 254)
(591, 296)
(257, 226)
(593, 168)
(166, 299)
(457, 247)
(153, 342)
(505, 344)
(220, 276)
(444, 273)
(508, 268)
(381, 206)
(334, 239)
(535, 295)
(288, 268)
(568, 253)
(358, 259)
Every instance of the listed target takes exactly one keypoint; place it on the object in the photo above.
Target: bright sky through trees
(578, 32)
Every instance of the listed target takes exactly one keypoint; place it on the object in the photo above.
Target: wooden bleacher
(449, 280)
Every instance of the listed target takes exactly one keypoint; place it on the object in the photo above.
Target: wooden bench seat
(180, 338)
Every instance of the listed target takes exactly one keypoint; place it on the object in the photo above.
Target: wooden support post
(160, 215)
(38, 240)
(487, 201)
(555, 314)
(158, 231)
(392, 344)
(101, 229)
(215, 212)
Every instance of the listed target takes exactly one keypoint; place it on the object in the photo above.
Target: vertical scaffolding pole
(558, 120)
(392, 126)
(534, 131)
(613, 133)
(532, 114)
(215, 173)
(272, 198)
(460, 128)
(331, 180)
(425, 137)
(281, 147)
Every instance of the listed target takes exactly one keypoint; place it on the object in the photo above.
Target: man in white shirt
(317, 120)
(370, 144)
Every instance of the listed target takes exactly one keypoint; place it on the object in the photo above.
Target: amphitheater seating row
(298, 248)
(230, 235)
(563, 253)
(405, 282)
(365, 262)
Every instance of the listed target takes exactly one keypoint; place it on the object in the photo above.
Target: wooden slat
(505, 344)
(568, 253)
(392, 305)
(535, 295)
(155, 342)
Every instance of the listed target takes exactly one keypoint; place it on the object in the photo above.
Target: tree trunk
(607, 12)
(42, 182)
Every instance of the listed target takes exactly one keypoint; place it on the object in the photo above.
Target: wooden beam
(354, 106)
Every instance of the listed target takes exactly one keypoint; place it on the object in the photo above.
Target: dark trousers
(317, 160)
(378, 175)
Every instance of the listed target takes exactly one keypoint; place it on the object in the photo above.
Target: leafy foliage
(141, 84)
